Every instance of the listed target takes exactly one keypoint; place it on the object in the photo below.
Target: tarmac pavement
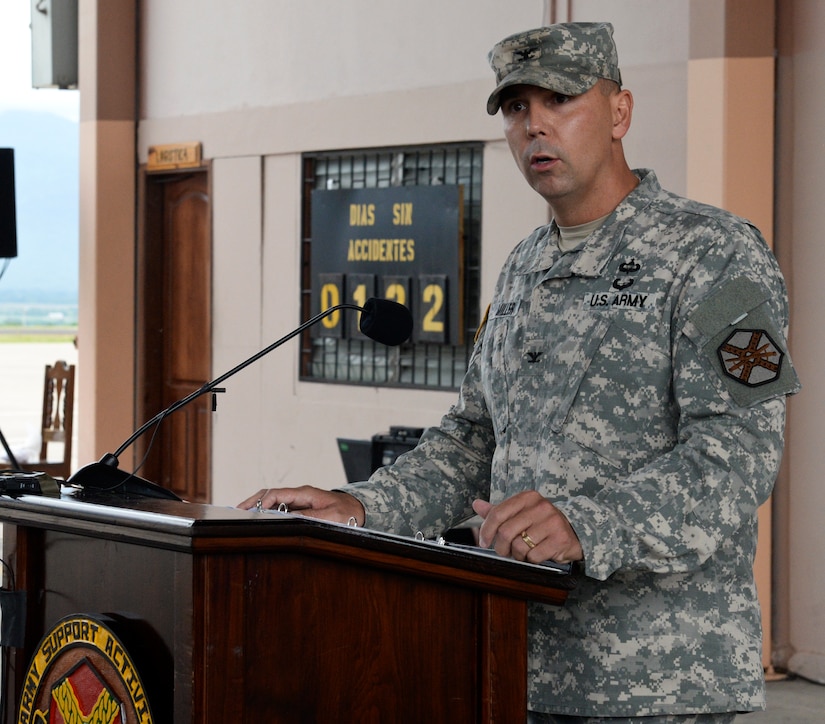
(22, 370)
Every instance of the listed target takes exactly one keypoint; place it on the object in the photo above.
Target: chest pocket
(502, 336)
(617, 401)
(566, 365)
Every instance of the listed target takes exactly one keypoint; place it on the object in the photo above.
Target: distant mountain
(46, 151)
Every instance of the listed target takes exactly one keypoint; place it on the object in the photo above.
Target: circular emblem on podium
(82, 672)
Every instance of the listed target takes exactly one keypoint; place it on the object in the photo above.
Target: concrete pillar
(106, 351)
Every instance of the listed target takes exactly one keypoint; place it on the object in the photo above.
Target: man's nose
(536, 122)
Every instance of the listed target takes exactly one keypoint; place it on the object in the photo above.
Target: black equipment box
(387, 447)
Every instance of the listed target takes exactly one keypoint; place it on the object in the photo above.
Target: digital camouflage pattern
(601, 380)
(567, 58)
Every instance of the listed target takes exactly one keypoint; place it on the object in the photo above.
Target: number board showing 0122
(427, 296)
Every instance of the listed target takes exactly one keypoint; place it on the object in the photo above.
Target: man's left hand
(528, 527)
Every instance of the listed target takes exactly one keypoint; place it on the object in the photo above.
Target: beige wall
(210, 56)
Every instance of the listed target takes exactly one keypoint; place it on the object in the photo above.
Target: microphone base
(109, 479)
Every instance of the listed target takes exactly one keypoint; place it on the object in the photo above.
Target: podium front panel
(239, 617)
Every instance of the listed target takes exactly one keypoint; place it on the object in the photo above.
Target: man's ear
(622, 113)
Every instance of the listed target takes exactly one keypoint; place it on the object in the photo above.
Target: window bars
(421, 365)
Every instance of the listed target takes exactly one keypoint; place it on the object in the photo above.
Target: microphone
(385, 321)
(382, 320)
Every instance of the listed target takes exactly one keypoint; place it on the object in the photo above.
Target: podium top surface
(207, 529)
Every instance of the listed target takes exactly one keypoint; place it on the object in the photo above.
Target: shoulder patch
(736, 332)
(751, 357)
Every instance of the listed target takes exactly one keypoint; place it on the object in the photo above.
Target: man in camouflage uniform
(623, 407)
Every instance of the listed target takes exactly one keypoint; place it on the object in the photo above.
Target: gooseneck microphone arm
(112, 458)
(381, 320)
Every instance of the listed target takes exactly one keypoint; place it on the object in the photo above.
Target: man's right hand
(313, 502)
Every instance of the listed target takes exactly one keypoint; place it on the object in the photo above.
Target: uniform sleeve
(432, 487)
(731, 373)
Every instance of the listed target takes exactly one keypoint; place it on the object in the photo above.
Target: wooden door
(175, 342)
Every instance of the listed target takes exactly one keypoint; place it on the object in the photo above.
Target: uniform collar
(592, 257)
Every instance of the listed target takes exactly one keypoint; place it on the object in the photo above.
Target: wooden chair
(56, 427)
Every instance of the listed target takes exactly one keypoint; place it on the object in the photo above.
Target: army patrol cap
(568, 58)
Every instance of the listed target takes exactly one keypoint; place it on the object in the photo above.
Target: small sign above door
(172, 156)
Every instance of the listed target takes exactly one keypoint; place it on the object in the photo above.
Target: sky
(15, 67)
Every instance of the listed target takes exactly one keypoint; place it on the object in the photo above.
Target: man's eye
(560, 99)
(516, 106)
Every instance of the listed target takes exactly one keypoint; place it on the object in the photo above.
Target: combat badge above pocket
(741, 340)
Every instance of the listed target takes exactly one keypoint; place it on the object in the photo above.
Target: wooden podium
(260, 617)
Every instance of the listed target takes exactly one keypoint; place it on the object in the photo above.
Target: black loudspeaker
(8, 213)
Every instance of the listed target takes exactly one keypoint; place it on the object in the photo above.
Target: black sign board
(403, 243)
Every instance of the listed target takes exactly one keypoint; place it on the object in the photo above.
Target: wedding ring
(259, 506)
(528, 540)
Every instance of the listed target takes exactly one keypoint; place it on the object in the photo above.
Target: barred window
(421, 364)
